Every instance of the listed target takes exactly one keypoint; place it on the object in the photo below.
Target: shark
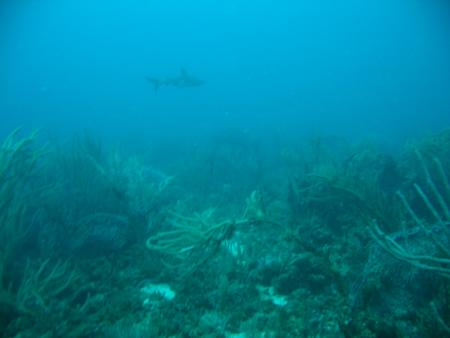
(183, 80)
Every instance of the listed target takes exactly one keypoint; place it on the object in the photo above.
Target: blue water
(361, 69)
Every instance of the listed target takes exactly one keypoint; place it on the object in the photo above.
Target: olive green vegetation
(316, 238)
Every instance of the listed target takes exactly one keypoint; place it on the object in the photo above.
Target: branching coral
(43, 284)
(191, 236)
(193, 240)
(431, 252)
(437, 232)
(17, 162)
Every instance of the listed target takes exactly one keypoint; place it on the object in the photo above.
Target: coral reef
(318, 238)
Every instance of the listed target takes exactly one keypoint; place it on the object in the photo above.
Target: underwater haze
(357, 69)
(229, 169)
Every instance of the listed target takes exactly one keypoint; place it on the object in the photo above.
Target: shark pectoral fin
(156, 83)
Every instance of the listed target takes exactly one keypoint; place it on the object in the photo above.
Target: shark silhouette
(183, 80)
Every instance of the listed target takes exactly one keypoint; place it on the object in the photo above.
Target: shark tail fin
(156, 83)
